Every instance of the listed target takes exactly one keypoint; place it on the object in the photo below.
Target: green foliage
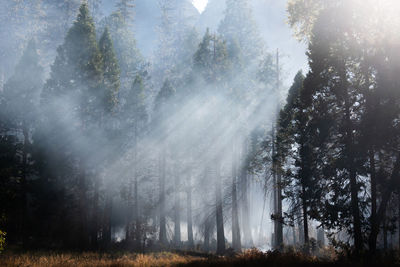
(302, 16)
(111, 80)
(129, 58)
(78, 66)
(211, 58)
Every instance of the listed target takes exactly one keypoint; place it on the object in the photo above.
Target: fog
(185, 144)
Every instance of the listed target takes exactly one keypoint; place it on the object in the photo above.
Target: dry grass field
(250, 258)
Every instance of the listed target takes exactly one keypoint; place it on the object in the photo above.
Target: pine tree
(111, 79)
(211, 59)
(128, 56)
(135, 113)
(163, 110)
(76, 78)
(295, 130)
(19, 105)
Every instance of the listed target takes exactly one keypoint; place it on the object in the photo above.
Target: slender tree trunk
(83, 231)
(128, 228)
(278, 228)
(207, 233)
(136, 194)
(245, 224)
(275, 188)
(95, 215)
(385, 234)
(107, 221)
(351, 169)
(136, 214)
(163, 227)
(177, 214)
(189, 217)
(398, 216)
(236, 244)
(305, 216)
(280, 217)
(24, 189)
(219, 212)
(300, 227)
(373, 189)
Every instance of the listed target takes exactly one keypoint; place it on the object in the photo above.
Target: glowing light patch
(200, 4)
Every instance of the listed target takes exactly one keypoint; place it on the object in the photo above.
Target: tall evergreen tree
(19, 105)
(163, 111)
(111, 79)
(76, 78)
(136, 116)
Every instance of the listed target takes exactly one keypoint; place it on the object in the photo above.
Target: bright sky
(200, 4)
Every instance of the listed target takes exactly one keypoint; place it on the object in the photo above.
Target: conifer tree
(19, 105)
(136, 116)
(128, 56)
(111, 79)
(76, 78)
(163, 110)
(295, 130)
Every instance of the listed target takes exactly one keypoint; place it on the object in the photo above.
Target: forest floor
(250, 258)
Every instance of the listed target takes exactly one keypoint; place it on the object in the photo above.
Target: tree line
(97, 155)
(337, 138)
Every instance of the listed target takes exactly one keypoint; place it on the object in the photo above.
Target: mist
(149, 126)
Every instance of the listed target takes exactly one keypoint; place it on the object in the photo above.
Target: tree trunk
(245, 207)
(385, 234)
(236, 244)
(373, 188)
(278, 228)
(95, 215)
(207, 233)
(163, 227)
(219, 212)
(398, 216)
(177, 214)
(279, 237)
(136, 214)
(107, 222)
(24, 189)
(301, 228)
(189, 217)
(305, 216)
(128, 227)
(351, 168)
(83, 229)
(137, 233)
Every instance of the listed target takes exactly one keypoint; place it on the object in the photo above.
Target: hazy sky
(200, 4)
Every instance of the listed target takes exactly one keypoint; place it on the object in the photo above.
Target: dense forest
(198, 145)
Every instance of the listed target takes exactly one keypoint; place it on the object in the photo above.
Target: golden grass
(95, 259)
(251, 258)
